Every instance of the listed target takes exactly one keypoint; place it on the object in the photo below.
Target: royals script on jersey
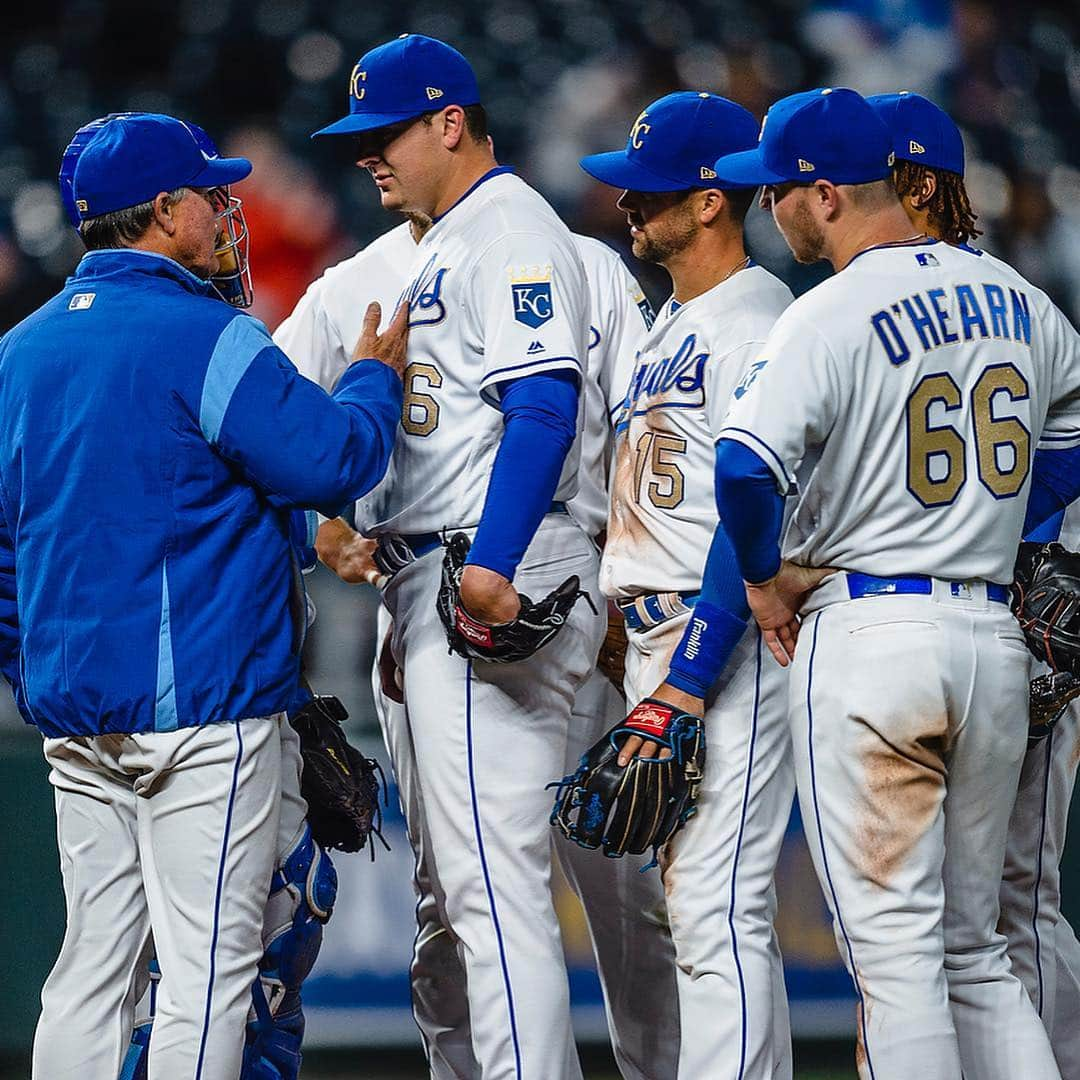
(497, 291)
(663, 510)
(320, 334)
(913, 387)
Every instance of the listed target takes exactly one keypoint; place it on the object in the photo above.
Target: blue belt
(646, 611)
(421, 543)
(860, 585)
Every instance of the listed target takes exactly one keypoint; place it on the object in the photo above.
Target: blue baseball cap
(404, 78)
(921, 131)
(673, 143)
(133, 157)
(824, 134)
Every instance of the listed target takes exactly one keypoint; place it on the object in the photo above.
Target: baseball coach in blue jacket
(152, 445)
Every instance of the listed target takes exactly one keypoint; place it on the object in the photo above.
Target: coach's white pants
(170, 833)
(487, 738)
(718, 870)
(1043, 949)
(909, 727)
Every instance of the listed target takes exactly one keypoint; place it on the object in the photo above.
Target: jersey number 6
(420, 411)
(937, 461)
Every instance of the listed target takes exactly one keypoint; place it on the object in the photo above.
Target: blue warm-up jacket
(152, 442)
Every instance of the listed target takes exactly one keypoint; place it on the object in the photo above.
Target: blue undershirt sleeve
(752, 508)
(1055, 483)
(540, 422)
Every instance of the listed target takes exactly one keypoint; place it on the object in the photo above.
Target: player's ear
(826, 198)
(453, 121)
(925, 190)
(163, 213)
(710, 205)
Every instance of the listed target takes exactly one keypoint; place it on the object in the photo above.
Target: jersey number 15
(937, 453)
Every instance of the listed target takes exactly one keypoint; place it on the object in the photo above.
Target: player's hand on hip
(388, 348)
(348, 553)
(635, 745)
(487, 596)
(775, 605)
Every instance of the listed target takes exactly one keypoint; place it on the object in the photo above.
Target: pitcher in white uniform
(499, 326)
(901, 395)
(639, 985)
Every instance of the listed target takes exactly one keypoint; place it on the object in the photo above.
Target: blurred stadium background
(560, 78)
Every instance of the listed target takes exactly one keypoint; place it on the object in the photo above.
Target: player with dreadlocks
(1043, 949)
(929, 170)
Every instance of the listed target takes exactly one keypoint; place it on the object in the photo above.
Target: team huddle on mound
(644, 581)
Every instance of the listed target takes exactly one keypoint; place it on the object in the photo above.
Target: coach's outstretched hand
(388, 347)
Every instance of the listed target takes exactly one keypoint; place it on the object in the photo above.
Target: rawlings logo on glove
(531, 629)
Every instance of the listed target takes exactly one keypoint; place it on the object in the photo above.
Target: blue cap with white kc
(921, 131)
(825, 134)
(404, 78)
(133, 157)
(673, 143)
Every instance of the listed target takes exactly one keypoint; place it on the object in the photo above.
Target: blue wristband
(708, 641)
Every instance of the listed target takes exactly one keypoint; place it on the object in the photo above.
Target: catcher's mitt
(1049, 697)
(339, 784)
(1046, 600)
(531, 629)
(642, 805)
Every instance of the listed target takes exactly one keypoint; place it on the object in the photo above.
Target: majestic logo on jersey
(916, 148)
(530, 290)
(639, 131)
(675, 382)
(357, 77)
(806, 166)
(748, 379)
(536, 348)
(424, 295)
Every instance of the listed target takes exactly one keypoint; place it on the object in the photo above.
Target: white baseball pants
(909, 728)
(1043, 949)
(487, 738)
(624, 910)
(171, 834)
(718, 870)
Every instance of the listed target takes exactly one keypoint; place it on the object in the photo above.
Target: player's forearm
(1055, 483)
(541, 421)
(716, 624)
(751, 508)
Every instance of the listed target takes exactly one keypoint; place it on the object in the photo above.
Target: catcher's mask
(232, 282)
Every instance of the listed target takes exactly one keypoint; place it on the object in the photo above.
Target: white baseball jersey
(663, 509)
(919, 373)
(497, 291)
(322, 330)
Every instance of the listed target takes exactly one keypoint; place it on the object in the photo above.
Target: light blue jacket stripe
(240, 342)
(165, 700)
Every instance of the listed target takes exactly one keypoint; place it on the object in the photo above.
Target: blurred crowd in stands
(560, 78)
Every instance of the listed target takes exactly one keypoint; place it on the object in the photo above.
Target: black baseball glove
(1049, 697)
(339, 784)
(531, 629)
(641, 805)
(1046, 600)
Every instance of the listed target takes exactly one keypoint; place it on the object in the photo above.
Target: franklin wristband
(707, 643)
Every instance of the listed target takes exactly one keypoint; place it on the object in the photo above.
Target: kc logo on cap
(355, 89)
(639, 130)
